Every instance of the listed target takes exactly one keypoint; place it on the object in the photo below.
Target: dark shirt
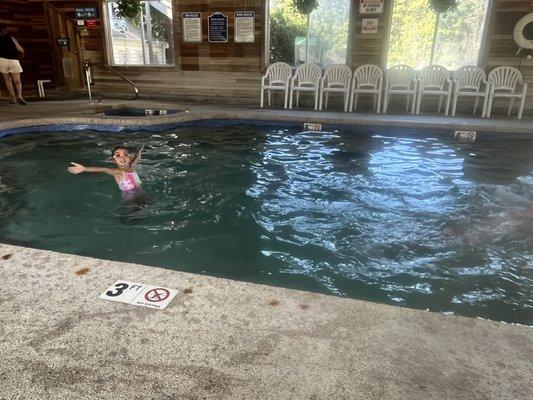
(7, 48)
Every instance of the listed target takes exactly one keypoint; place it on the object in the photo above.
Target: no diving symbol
(156, 295)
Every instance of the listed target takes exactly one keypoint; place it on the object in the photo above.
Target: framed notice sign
(370, 6)
(87, 13)
(244, 26)
(192, 27)
(63, 41)
(217, 28)
(369, 25)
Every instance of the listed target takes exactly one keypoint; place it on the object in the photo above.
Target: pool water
(382, 214)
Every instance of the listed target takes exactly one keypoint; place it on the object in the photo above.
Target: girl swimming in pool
(125, 175)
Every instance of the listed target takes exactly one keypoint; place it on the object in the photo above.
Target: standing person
(10, 52)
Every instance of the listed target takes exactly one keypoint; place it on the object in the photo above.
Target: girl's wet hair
(118, 148)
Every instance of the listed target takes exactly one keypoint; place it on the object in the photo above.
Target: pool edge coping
(498, 126)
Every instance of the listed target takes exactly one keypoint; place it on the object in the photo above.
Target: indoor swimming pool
(405, 217)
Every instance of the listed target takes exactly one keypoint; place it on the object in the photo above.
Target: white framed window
(419, 36)
(147, 39)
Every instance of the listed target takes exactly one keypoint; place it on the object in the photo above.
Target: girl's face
(122, 157)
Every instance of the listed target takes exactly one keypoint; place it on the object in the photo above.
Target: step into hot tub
(137, 112)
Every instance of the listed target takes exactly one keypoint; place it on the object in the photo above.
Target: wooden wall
(220, 57)
(26, 22)
(225, 72)
(501, 48)
(368, 48)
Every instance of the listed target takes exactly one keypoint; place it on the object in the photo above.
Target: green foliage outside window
(129, 8)
(458, 37)
(328, 28)
(286, 23)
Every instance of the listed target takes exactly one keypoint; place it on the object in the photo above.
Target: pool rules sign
(139, 294)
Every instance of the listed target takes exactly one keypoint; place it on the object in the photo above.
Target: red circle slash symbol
(156, 295)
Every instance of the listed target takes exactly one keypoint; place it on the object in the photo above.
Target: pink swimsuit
(130, 181)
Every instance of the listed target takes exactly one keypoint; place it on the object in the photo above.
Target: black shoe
(20, 101)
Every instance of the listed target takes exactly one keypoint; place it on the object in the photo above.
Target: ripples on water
(378, 214)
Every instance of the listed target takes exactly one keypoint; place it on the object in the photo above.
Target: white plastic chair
(504, 83)
(336, 79)
(278, 76)
(470, 81)
(367, 79)
(434, 80)
(305, 79)
(400, 79)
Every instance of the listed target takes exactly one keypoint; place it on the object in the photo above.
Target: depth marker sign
(139, 294)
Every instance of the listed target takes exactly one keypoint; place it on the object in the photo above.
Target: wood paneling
(26, 22)
(368, 48)
(501, 48)
(207, 56)
(226, 72)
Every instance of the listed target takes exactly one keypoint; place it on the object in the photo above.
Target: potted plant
(129, 8)
(441, 6)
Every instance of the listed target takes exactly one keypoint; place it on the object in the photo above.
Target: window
(328, 32)
(419, 36)
(144, 40)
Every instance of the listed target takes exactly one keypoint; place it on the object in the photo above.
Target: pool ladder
(87, 67)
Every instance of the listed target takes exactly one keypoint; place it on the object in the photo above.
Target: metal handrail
(135, 88)
(87, 67)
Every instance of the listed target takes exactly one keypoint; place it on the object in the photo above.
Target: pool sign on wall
(217, 28)
(63, 41)
(244, 27)
(192, 27)
(139, 294)
(369, 25)
(86, 13)
(370, 6)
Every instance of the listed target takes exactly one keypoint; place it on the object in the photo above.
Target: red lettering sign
(91, 23)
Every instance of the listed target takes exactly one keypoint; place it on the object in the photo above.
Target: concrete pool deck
(222, 339)
(82, 112)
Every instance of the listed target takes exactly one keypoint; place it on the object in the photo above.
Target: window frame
(108, 43)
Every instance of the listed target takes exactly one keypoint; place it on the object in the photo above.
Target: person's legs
(9, 86)
(18, 85)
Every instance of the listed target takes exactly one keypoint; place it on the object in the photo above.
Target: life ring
(523, 32)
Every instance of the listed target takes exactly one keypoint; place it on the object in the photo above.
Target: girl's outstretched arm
(137, 156)
(78, 169)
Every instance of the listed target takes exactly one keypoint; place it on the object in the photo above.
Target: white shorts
(10, 66)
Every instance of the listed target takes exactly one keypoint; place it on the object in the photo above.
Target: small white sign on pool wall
(311, 126)
(139, 294)
(466, 136)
